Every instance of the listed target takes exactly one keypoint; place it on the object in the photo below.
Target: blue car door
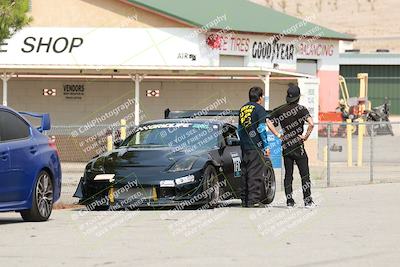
(4, 171)
(16, 133)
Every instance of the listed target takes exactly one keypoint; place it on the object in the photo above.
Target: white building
(81, 59)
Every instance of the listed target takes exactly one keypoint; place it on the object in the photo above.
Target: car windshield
(186, 136)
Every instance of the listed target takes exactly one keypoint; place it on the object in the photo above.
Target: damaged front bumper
(130, 195)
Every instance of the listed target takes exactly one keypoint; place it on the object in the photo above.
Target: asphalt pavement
(351, 226)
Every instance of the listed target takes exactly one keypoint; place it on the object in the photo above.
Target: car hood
(146, 156)
(144, 165)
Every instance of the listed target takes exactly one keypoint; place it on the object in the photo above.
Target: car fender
(47, 160)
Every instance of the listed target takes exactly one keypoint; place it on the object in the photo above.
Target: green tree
(13, 17)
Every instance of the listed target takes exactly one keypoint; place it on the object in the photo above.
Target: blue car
(30, 171)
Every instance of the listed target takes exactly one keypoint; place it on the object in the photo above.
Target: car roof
(7, 108)
(188, 120)
(12, 110)
(15, 112)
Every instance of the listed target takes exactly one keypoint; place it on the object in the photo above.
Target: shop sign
(273, 51)
(315, 49)
(257, 48)
(51, 44)
(187, 56)
(228, 43)
(74, 91)
(105, 47)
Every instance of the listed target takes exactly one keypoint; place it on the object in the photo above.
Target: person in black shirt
(292, 116)
(254, 145)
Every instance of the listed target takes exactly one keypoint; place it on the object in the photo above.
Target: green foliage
(13, 17)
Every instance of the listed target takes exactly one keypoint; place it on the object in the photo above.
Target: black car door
(231, 157)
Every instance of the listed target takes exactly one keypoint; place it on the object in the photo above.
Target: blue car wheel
(42, 200)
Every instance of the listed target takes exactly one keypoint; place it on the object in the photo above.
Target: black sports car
(170, 162)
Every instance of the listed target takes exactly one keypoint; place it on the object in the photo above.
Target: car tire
(269, 184)
(42, 199)
(211, 181)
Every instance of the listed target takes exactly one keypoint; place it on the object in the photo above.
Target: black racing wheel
(269, 184)
(211, 186)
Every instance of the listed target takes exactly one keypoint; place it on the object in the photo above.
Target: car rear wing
(191, 114)
(45, 124)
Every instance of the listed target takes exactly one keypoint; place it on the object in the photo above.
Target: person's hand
(303, 138)
(280, 136)
(267, 152)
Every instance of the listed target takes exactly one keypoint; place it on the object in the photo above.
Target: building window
(307, 66)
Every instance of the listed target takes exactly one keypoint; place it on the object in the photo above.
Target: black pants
(299, 156)
(252, 166)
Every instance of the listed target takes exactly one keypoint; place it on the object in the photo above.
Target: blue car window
(12, 127)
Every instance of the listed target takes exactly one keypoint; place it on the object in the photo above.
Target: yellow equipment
(353, 109)
(355, 106)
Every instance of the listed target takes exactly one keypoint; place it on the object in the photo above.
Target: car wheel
(42, 200)
(269, 184)
(211, 186)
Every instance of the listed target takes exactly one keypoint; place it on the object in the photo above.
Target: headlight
(167, 183)
(104, 177)
(177, 181)
(185, 164)
(98, 165)
(185, 180)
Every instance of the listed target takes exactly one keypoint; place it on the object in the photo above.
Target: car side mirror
(231, 141)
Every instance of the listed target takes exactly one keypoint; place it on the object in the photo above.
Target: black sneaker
(290, 203)
(309, 204)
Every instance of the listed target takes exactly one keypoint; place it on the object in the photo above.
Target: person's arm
(309, 129)
(272, 128)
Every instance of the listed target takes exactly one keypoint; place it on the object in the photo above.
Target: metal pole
(361, 129)
(123, 129)
(265, 79)
(5, 77)
(371, 156)
(328, 157)
(5, 92)
(349, 128)
(137, 99)
(137, 79)
(109, 142)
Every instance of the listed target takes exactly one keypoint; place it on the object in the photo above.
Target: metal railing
(354, 153)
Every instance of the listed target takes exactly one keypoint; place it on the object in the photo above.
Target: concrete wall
(94, 13)
(101, 97)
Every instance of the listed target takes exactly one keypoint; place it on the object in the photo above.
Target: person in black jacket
(254, 145)
(292, 116)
